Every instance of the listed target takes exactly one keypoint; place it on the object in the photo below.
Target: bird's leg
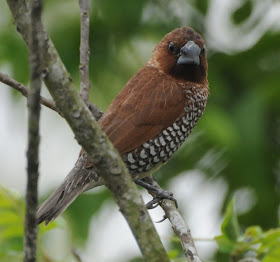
(158, 194)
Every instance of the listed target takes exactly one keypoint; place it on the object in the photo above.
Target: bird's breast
(159, 149)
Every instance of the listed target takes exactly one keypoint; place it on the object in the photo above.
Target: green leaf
(253, 231)
(270, 240)
(230, 226)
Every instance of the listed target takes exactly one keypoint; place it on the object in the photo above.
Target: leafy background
(233, 152)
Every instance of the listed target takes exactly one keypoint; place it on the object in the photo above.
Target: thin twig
(178, 224)
(25, 91)
(76, 255)
(84, 50)
(84, 59)
(30, 234)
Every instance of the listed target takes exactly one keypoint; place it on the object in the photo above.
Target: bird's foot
(161, 195)
(158, 193)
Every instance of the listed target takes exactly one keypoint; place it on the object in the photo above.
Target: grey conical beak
(189, 54)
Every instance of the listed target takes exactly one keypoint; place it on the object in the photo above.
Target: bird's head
(181, 53)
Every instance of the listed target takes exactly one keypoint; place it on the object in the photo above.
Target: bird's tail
(79, 180)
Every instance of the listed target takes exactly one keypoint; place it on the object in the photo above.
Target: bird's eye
(202, 51)
(172, 48)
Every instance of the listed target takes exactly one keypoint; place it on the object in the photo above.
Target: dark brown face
(181, 53)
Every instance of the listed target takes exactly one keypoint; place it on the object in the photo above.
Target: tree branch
(84, 50)
(84, 59)
(96, 112)
(21, 13)
(30, 235)
(25, 91)
(178, 224)
(106, 159)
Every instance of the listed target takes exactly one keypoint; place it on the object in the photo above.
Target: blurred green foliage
(11, 225)
(239, 134)
(254, 243)
(12, 210)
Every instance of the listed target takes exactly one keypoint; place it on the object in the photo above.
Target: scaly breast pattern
(160, 148)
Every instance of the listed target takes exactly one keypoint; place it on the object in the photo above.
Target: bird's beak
(189, 54)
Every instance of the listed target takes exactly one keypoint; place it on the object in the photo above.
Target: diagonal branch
(25, 91)
(84, 50)
(30, 227)
(96, 112)
(178, 224)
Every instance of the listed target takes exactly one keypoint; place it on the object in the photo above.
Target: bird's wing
(148, 104)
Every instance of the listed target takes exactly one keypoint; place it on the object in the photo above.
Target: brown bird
(149, 119)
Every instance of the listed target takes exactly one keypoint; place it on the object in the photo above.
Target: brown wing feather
(149, 103)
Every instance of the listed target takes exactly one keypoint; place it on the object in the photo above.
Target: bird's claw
(159, 197)
(164, 217)
(159, 194)
(153, 203)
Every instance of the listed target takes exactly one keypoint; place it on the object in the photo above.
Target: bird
(149, 119)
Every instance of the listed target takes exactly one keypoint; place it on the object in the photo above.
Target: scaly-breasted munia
(149, 119)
